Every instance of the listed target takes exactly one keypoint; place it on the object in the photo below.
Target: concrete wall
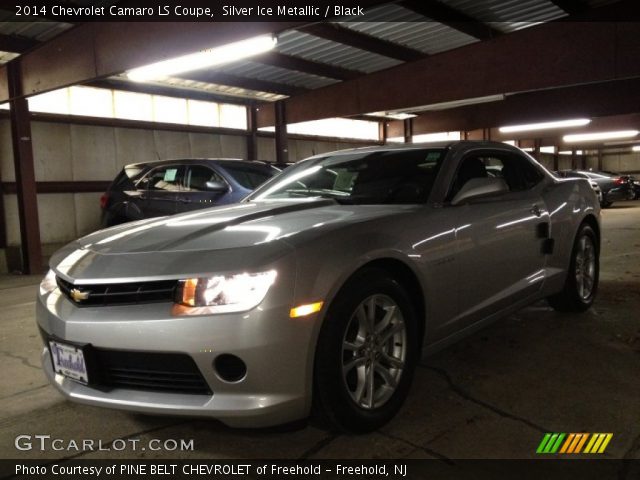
(627, 162)
(299, 149)
(70, 152)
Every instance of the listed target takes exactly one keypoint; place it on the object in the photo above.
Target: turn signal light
(304, 310)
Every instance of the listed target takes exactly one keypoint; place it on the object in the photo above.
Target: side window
(518, 173)
(168, 178)
(198, 176)
(474, 166)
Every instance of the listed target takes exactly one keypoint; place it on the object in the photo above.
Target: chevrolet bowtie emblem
(78, 296)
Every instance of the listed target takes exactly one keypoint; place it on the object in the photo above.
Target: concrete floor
(493, 395)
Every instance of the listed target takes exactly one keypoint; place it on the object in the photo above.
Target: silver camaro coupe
(321, 290)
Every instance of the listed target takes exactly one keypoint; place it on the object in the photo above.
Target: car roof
(420, 146)
(185, 161)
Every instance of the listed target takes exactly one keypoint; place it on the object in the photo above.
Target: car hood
(159, 246)
(239, 225)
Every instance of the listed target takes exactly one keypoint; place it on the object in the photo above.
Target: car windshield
(366, 178)
(250, 176)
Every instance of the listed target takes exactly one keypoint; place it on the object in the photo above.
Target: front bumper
(276, 349)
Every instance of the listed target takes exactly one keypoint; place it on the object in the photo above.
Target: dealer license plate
(68, 360)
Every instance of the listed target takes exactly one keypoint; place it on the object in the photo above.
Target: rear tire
(581, 285)
(606, 204)
(366, 354)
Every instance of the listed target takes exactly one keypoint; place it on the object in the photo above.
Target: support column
(408, 130)
(282, 141)
(382, 132)
(25, 174)
(556, 159)
(537, 143)
(252, 137)
(574, 159)
(3, 221)
(600, 167)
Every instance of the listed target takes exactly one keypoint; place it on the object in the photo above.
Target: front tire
(581, 285)
(366, 354)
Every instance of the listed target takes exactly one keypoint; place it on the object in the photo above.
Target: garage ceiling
(466, 51)
(319, 55)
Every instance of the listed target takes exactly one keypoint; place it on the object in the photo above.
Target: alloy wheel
(374, 350)
(585, 264)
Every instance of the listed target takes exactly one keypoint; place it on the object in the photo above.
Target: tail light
(619, 181)
(104, 200)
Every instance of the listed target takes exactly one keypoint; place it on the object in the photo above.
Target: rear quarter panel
(569, 202)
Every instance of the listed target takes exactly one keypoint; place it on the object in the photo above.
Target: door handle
(535, 209)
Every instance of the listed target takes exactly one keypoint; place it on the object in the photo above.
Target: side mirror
(216, 187)
(478, 187)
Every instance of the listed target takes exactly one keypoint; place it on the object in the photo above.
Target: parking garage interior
(405, 72)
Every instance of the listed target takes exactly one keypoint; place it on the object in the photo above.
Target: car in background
(594, 185)
(636, 186)
(168, 187)
(320, 290)
(614, 187)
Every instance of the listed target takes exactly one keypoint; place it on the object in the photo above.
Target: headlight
(48, 283)
(223, 294)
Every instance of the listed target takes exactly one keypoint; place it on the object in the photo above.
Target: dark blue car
(154, 189)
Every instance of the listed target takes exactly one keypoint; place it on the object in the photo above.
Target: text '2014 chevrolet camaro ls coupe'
(322, 289)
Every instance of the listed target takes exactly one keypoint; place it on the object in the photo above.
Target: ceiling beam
(16, 44)
(167, 91)
(242, 82)
(619, 97)
(442, 13)
(566, 53)
(352, 38)
(96, 50)
(306, 66)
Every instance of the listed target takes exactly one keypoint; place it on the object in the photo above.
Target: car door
(500, 238)
(203, 187)
(160, 190)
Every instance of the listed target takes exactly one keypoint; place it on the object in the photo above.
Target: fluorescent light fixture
(393, 115)
(569, 152)
(454, 104)
(636, 148)
(592, 137)
(577, 122)
(207, 58)
(436, 137)
(547, 149)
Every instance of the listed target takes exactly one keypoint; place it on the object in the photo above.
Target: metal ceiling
(405, 27)
(6, 56)
(325, 51)
(509, 15)
(392, 23)
(40, 31)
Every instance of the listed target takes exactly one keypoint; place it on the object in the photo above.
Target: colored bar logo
(574, 443)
